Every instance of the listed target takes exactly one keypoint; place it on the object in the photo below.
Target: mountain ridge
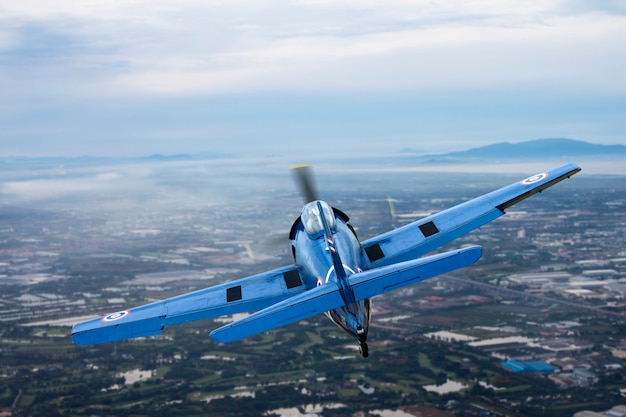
(537, 148)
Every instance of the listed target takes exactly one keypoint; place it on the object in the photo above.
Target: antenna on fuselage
(392, 209)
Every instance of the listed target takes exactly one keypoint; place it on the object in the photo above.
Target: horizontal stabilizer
(365, 285)
(396, 276)
(302, 306)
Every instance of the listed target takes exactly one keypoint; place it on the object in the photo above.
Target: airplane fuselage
(326, 251)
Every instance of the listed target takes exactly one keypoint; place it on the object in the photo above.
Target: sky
(358, 77)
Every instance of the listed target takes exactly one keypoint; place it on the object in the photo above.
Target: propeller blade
(305, 180)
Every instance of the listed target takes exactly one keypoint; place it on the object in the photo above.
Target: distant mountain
(539, 148)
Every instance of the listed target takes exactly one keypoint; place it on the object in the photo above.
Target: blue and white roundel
(534, 179)
(116, 316)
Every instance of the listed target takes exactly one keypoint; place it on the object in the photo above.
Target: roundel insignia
(116, 316)
(534, 179)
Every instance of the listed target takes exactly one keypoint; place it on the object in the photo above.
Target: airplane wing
(365, 285)
(420, 237)
(246, 294)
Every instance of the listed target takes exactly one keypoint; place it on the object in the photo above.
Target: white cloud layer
(48, 188)
(199, 47)
(59, 58)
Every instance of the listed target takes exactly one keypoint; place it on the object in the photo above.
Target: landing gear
(365, 351)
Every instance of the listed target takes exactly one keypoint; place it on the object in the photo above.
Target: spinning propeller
(305, 180)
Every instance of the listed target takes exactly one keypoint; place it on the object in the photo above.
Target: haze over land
(82, 237)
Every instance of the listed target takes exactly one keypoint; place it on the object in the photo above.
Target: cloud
(556, 53)
(41, 189)
(194, 47)
(137, 77)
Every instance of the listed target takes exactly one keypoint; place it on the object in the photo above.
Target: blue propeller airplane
(333, 272)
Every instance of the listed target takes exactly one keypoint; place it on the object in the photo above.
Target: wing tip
(574, 168)
(539, 182)
(475, 251)
(81, 338)
(220, 335)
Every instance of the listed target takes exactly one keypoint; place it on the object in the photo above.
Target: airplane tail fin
(364, 284)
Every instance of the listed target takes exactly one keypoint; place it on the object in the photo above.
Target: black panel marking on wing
(374, 252)
(429, 229)
(292, 279)
(233, 294)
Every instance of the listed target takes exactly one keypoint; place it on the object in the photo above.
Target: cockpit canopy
(312, 218)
